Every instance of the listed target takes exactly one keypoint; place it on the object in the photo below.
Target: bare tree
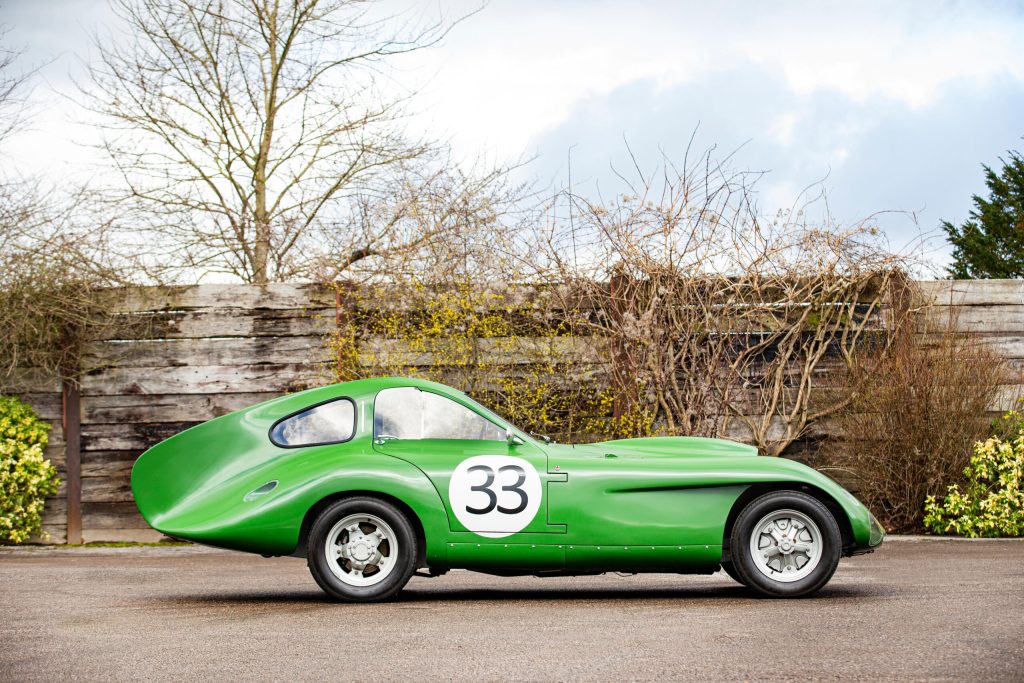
(56, 261)
(435, 222)
(718, 321)
(240, 127)
(915, 412)
(13, 89)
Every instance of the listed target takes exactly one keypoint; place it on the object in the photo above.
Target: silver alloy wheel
(361, 550)
(786, 545)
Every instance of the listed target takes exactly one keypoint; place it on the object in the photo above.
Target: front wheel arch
(757, 490)
(326, 501)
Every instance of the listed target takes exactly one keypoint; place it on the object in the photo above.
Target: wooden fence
(216, 348)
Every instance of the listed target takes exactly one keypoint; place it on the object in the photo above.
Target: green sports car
(377, 479)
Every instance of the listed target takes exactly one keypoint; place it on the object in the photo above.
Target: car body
(478, 493)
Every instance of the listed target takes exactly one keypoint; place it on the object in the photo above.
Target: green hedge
(992, 502)
(26, 477)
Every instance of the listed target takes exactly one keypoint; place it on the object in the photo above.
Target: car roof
(371, 385)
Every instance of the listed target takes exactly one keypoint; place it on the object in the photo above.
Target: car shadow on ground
(422, 595)
(590, 594)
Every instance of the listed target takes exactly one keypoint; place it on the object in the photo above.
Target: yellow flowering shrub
(513, 358)
(992, 502)
(538, 403)
(26, 477)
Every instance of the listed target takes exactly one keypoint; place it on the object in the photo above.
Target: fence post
(71, 420)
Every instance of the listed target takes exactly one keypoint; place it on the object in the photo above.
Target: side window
(397, 413)
(408, 413)
(326, 423)
(443, 418)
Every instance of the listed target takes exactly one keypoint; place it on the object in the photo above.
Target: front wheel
(785, 544)
(361, 550)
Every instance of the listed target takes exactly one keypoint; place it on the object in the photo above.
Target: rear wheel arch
(325, 502)
(755, 491)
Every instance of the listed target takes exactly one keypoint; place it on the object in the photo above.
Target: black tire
(729, 569)
(748, 573)
(403, 557)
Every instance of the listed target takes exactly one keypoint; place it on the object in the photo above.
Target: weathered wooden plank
(54, 521)
(103, 516)
(237, 323)
(145, 408)
(1010, 346)
(57, 508)
(1001, 318)
(738, 430)
(54, 452)
(1014, 373)
(46, 405)
(1007, 398)
(974, 292)
(108, 464)
(20, 381)
(56, 436)
(106, 490)
(129, 436)
(278, 295)
(218, 351)
(490, 351)
(51, 533)
(206, 379)
(582, 374)
(138, 535)
(492, 296)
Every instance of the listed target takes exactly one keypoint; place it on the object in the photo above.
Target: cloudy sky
(892, 106)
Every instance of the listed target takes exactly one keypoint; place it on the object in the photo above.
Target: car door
(492, 488)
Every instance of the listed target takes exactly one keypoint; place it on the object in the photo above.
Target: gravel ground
(914, 610)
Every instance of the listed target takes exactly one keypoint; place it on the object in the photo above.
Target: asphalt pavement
(914, 610)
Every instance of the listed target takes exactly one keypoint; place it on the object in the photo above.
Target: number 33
(492, 497)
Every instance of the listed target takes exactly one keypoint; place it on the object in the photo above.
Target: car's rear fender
(437, 548)
(272, 524)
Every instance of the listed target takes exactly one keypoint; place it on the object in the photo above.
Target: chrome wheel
(361, 550)
(786, 545)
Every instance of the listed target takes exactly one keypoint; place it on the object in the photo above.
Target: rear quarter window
(326, 423)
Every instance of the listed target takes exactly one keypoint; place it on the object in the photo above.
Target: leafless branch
(244, 129)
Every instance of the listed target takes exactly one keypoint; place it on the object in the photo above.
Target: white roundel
(495, 495)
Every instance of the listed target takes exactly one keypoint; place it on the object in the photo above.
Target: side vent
(261, 491)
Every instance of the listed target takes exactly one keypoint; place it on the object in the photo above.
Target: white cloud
(519, 67)
(861, 91)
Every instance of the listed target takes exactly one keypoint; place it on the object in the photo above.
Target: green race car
(373, 480)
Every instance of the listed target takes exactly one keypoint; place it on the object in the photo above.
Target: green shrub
(992, 502)
(26, 478)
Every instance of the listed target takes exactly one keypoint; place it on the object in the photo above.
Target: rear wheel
(361, 550)
(785, 544)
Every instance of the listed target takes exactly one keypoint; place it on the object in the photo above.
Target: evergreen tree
(990, 244)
